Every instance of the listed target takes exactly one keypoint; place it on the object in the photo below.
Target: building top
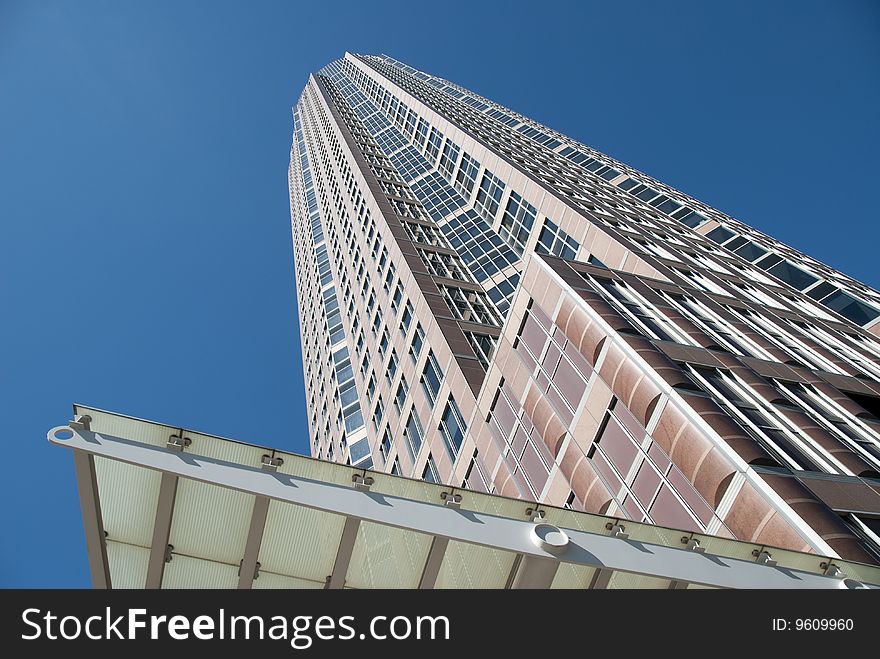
(167, 507)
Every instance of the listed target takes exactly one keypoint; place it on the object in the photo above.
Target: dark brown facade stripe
(658, 360)
(846, 383)
(690, 354)
(844, 366)
(835, 394)
(775, 370)
(844, 495)
(819, 517)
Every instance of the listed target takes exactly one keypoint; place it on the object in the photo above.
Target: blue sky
(147, 265)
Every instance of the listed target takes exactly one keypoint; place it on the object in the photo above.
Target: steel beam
(601, 579)
(248, 569)
(93, 523)
(343, 553)
(161, 530)
(433, 562)
(513, 535)
(534, 572)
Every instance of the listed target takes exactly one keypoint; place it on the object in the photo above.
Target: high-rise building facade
(487, 303)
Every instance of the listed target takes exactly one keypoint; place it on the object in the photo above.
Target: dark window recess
(659, 200)
(736, 243)
(872, 523)
(751, 252)
(647, 194)
(691, 219)
(792, 275)
(592, 260)
(822, 290)
(769, 261)
(850, 308)
(720, 234)
(690, 387)
(669, 206)
(870, 403)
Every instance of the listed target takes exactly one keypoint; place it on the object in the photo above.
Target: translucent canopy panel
(290, 538)
(128, 501)
(128, 564)
(386, 557)
(167, 507)
(472, 566)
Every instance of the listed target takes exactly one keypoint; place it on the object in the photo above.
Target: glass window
(736, 243)
(432, 378)
(406, 318)
(378, 413)
(470, 306)
(517, 221)
(398, 296)
(617, 445)
(473, 477)
(768, 261)
(412, 432)
(467, 175)
(553, 240)
(385, 446)
(432, 147)
(400, 396)
(751, 252)
(720, 234)
(483, 346)
(793, 276)
(851, 308)
(489, 195)
(418, 341)
(448, 158)
(391, 371)
(691, 219)
(429, 473)
(448, 266)
(822, 290)
(452, 428)
(359, 450)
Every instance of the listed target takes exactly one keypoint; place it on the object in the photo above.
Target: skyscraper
(487, 303)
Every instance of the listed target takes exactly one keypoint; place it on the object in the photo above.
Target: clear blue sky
(146, 264)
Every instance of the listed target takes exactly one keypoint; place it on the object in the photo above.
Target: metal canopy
(165, 507)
